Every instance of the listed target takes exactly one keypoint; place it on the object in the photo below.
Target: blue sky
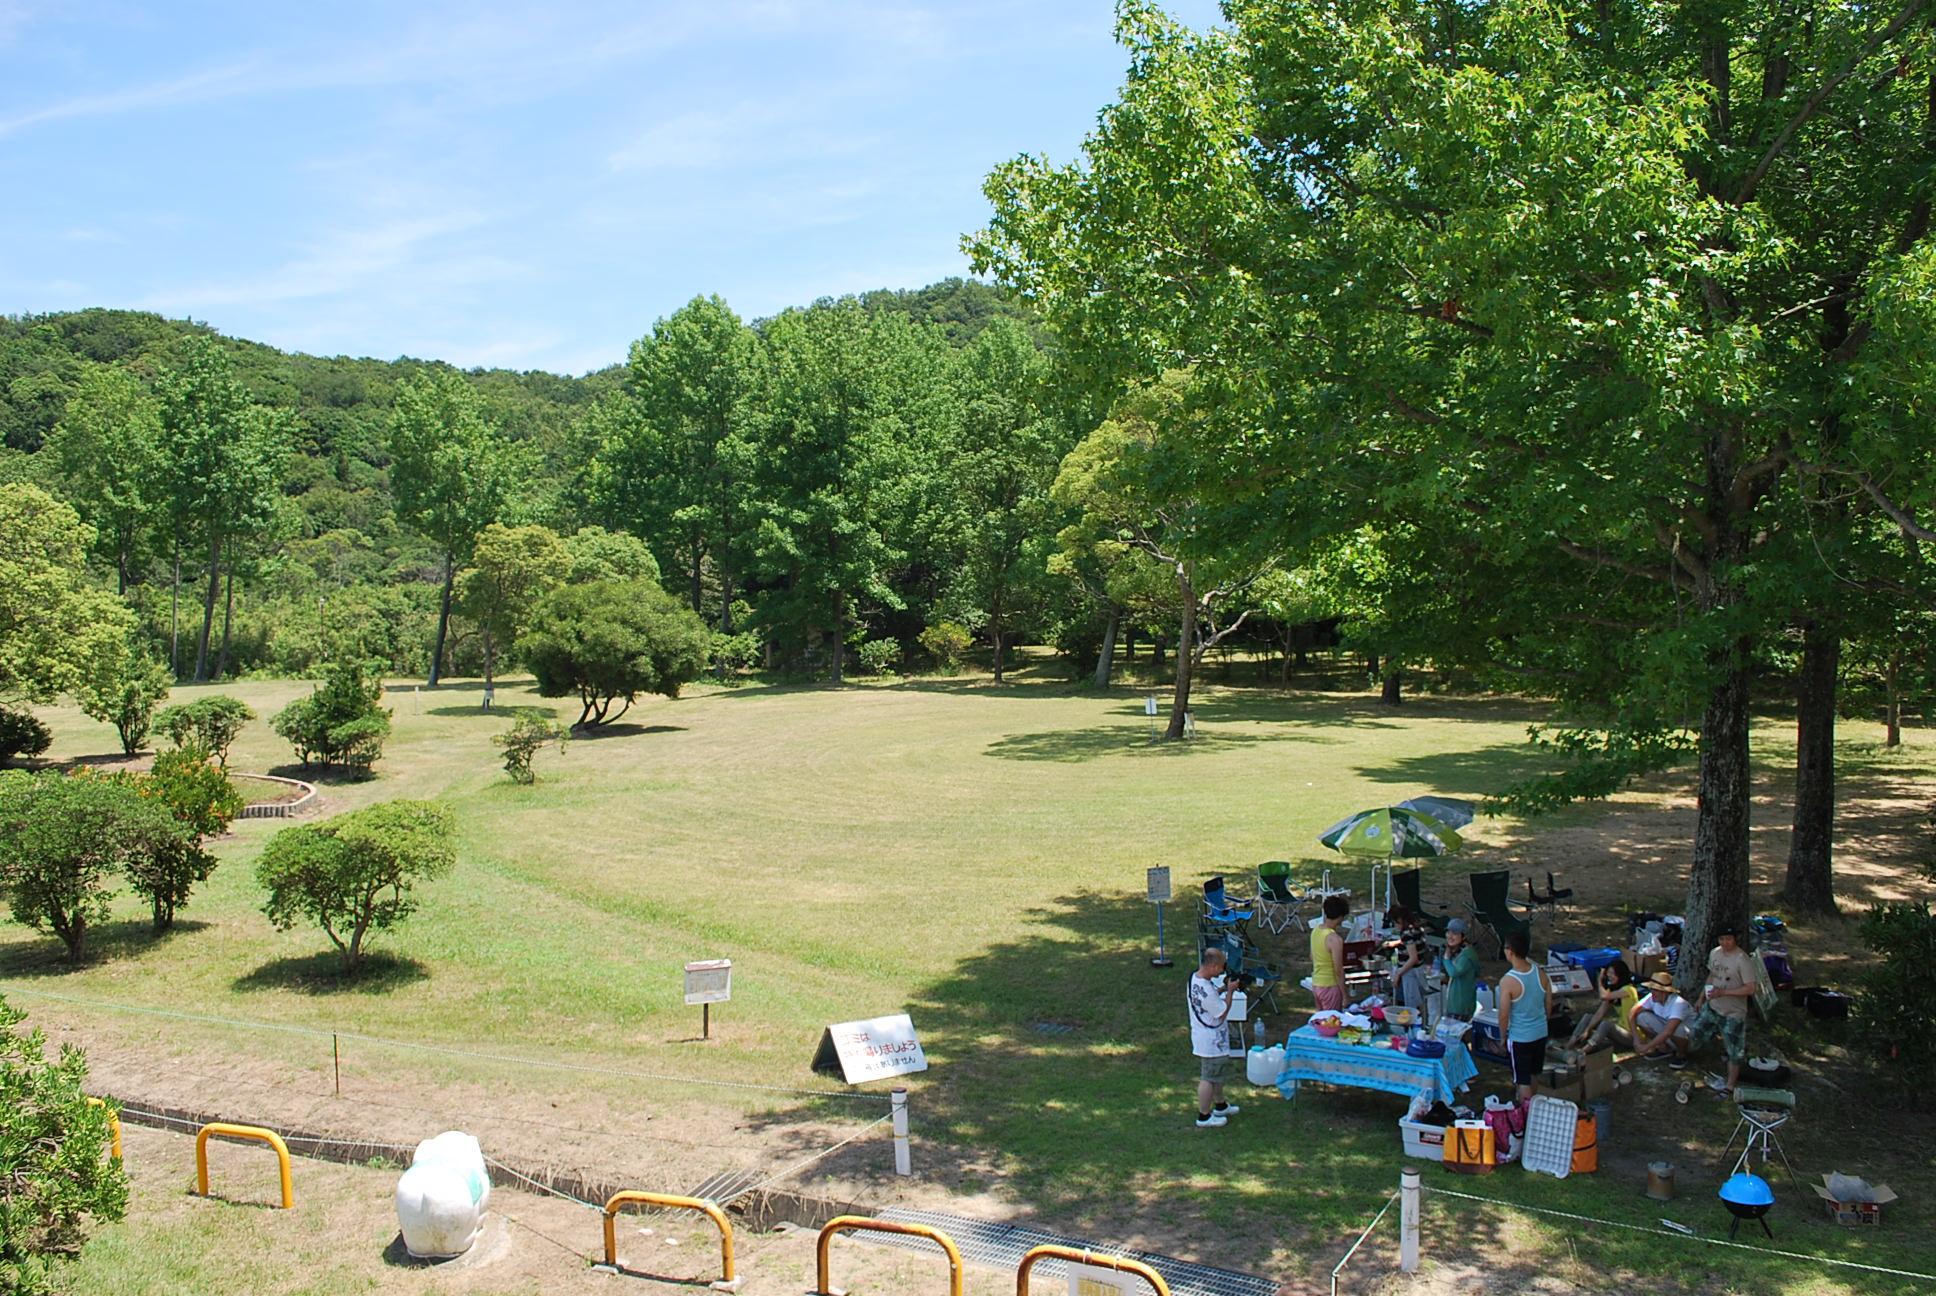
(521, 185)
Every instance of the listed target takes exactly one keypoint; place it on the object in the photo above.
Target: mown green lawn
(971, 854)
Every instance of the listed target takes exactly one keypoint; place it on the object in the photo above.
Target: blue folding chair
(1219, 911)
(1241, 956)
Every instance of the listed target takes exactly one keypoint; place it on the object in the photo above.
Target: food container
(1328, 1027)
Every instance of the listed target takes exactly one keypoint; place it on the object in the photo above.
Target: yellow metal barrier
(253, 1133)
(114, 1123)
(1137, 1267)
(861, 1224)
(726, 1281)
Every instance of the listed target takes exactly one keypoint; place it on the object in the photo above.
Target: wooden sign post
(708, 982)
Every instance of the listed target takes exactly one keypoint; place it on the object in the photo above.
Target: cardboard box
(1855, 1213)
(1596, 1075)
(1561, 1082)
(1645, 965)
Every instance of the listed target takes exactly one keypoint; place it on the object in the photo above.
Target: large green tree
(106, 454)
(1134, 481)
(511, 569)
(677, 459)
(1005, 460)
(54, 626)
(222, 457)
(451, 469)
(1611, 277)
(857, 421)
(609, 641)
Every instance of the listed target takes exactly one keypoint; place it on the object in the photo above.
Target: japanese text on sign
(876, 1049)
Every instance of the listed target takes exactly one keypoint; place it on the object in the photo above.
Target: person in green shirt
(1461, 968)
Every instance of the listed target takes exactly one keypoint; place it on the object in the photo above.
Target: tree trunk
(696, 591)
(1892, 701)
(1185, 657)
(725, 601)
(174, 619)
(1388, 692)
(443, 621)
(228, 616)
(1717, 884)
(1371, 665)
(995, 636)
(1811, 880)
(490, 663)
(840, 639)
(208, 609)
(1106, 659)
(121, 571)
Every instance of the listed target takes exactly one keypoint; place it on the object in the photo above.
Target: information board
(709, 982)
(1159, 885)
(1094, 1280)
(876, 1049)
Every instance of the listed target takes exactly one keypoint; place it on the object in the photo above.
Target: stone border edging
(277, 809)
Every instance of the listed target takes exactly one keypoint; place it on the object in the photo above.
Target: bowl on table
(1327, 1027)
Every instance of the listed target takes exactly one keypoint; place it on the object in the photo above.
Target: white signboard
(1159, 885)
(1094, 1280)
(1149, 705)
(876, 1049)
(709, 982)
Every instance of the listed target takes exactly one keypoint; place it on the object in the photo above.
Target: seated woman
(1612, 1021)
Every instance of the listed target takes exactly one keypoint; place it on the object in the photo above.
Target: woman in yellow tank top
(1327, 956)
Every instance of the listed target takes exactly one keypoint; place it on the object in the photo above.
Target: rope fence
(1678, 1237)
(444, 1050)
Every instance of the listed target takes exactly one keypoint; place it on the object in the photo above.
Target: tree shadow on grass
(1070, 745)
(321, 775)
(322, 974)
(1474, 772)
(126, 938)
(624, 730)
(499, 712)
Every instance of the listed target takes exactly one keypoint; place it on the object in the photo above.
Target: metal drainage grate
(1000, 1246)
(724, 1188)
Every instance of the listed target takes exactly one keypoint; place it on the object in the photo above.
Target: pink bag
(1508, 1124)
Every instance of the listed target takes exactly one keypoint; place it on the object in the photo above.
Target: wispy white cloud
(353, 260)
(756, 131)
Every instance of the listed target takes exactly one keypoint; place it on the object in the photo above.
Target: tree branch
(1665, 575)
(1814, 101)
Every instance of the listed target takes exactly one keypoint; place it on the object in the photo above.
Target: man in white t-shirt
(1210, 993)
(1658, 1018)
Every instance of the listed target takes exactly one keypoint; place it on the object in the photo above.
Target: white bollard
(903, 1163)
(1408, 1221)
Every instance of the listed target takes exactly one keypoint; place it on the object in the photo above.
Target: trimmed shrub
(880, 656)
(123, 688)
(22, 734)
(522, 742)
(356, 873)
(210, 723)
(344, 722)
(947, 642)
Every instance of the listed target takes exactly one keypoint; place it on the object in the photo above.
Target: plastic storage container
(442, 1196)
(1427, 1142)
(1261, 1065)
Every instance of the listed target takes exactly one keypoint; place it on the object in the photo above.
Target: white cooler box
(1427, 1142)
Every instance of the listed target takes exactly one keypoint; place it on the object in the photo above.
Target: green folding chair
(1276, 902)
(1405, 891)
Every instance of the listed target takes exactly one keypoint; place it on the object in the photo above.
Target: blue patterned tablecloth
(1310, 1056)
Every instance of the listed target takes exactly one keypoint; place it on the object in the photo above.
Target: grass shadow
(625, 730)
(1074, 745)
(321, 775)
(126, 938)
(322, 974)
(501, 711)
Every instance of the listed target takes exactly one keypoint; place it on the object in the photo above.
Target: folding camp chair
(1492, 905)
(1554, 898)
(1405, 891)
(1241, 956)
(1220, 909)
(1276, 902)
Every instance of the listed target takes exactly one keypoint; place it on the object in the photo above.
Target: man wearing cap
(1461, 968)
(1658, 1018)
(1724, 1006)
